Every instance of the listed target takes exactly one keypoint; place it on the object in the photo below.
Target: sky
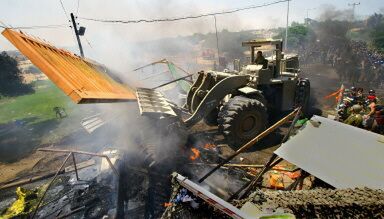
(105, 38)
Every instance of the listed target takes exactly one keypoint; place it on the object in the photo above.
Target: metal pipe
(70, 151)
(111, 165)
(82, 152)
(74, 164)
(173, 81)
(50, 184)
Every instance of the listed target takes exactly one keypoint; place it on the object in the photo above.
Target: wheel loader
(239, 102)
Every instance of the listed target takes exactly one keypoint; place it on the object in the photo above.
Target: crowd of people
(354, 61)
(363, 111)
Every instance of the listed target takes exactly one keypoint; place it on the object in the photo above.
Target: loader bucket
(82, 80)
(153, 103)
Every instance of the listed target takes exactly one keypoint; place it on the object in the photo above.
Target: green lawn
(38, 105)
(36, 121)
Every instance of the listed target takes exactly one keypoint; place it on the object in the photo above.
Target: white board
(341, 155)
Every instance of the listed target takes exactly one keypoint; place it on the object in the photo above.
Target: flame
(167, 204)
(209, 146)
(196, 154)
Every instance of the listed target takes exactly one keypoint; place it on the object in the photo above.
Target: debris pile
(323, 203)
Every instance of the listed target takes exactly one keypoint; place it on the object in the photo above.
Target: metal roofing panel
(341, 155)
(78, 78)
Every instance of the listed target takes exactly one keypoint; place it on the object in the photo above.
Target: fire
(167, 204)
(195, 155)
(209, 146)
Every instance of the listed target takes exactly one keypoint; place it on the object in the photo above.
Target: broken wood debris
(295, 113)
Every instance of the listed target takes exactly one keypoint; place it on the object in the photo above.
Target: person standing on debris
(372, 94)
(369, 119)
(360, 96)
(260, 60)
(355, 119)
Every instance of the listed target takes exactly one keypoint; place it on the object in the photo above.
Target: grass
(28, 122)
(37, 105)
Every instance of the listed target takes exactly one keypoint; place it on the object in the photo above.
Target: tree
(375, 23)
(377, 37)
(297, 34)
(10, 78)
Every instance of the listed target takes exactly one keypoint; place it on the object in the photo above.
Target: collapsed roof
(82, 80)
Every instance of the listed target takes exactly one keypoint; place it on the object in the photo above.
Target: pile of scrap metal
(85, 189)
(190, 200)
(345, 159)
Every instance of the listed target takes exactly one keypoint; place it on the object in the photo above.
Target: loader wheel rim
(248, 123)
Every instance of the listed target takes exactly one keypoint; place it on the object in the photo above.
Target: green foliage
(377, 36)
(297, 34)
(376, 26)
(10, 79)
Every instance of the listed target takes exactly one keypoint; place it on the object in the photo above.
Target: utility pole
(77, 34)
(309, 9)
(286, 28)
(217, 42)
(353, 9)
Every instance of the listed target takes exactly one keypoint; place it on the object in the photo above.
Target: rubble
(322, 203)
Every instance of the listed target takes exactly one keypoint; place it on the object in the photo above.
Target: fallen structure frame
(71, 153)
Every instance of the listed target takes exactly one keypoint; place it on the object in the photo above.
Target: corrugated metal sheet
(78, 78)
(341, 155)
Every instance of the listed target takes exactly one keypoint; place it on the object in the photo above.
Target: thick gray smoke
(329, 12)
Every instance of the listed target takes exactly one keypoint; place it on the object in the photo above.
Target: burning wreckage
(311, 174)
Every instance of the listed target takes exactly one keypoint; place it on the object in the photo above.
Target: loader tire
(211, 118)
(302, 95)
(241, 119)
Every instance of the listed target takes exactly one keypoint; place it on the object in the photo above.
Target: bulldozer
(239, 102)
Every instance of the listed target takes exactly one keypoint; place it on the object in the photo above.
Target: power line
(182, 18)
(3, 25)
(65, 12)
(36, 27)
(77, 10)
(89, 44)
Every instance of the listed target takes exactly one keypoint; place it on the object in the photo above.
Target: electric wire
(86, 39)
(182, 18)
(65, 12)
(36, 27)
(77, 10)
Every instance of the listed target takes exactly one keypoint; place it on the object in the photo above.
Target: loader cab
(271, 50)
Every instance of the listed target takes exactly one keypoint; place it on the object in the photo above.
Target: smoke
(329, 12)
